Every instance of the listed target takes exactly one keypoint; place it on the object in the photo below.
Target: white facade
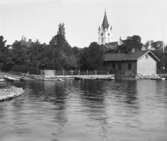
(104, 32)
(146, 65)
(49, 73)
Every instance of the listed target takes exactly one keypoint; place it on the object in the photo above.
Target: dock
(94, 77)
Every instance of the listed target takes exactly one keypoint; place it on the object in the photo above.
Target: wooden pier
(94, 77)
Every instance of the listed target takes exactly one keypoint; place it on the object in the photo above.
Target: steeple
(105, 31)
(105, 23)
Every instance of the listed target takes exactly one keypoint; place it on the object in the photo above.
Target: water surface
(86, 110)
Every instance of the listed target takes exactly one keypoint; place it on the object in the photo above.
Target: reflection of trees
(128, 96)
(92, 98)
(55, 93)
(36, 88)
(2, 111)
(93, 92)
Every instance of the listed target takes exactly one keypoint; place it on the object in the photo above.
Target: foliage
(92, 57)
(132, 43)
(28, 56)
(5, 57)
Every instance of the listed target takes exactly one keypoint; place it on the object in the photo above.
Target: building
(104, 32)
(48, 73)
(131, 65)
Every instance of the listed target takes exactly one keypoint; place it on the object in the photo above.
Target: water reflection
(93, 99)
(92, 110)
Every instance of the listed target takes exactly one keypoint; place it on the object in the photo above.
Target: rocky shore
(10, 93)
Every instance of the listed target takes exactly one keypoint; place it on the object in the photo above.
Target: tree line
(32, 56)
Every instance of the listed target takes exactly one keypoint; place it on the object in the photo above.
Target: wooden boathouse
(131, 65)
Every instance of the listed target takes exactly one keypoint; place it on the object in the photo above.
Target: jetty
(10, 93)
(95, 77)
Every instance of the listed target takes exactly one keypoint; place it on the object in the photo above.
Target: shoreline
(25, 77)
(10, 93)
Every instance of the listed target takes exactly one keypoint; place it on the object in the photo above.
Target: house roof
(128, 56)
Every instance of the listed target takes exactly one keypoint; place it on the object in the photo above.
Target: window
(119, 66)
(146, 56)
(129, 66)
(113, 66)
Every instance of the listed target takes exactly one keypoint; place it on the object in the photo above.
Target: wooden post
(79, 72)
(95, 72)
(63, 72)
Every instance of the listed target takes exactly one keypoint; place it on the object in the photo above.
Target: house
(130, 65)
(48, 73)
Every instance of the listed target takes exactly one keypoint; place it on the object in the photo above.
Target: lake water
(86, 111)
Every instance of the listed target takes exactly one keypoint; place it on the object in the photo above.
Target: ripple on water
(87, 110)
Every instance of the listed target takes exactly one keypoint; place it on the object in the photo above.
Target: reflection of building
(104, 32)
(131, 64)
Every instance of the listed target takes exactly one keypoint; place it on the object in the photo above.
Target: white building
(104, 32)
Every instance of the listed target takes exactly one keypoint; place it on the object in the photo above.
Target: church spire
(104, 31)
(105, 23)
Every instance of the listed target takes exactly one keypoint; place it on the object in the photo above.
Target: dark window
(146, 56)
(119, 66)
(113, 66)
(129, 66)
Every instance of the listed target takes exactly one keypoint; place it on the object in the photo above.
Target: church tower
(104, 31)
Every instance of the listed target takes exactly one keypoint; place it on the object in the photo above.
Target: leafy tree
(63, 56)
(132, 43)
(60, 37)
(92, 57)
(5, 58)
(61, 30)
(157, 44)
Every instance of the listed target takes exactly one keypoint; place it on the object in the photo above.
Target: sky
(39, 19)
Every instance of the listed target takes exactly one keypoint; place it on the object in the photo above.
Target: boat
(10, 78)
(2, 80)
(163, 78)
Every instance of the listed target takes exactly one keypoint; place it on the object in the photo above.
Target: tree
(92, 57)
(5, 58)
(61, 30)
(60, 37)
(130, 44)
(63, 56)
(2, 42)
(157, 44)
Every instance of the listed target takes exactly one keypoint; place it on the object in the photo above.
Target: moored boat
(10, 78)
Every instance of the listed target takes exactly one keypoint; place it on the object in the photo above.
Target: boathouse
(131, 65)
(48, 73)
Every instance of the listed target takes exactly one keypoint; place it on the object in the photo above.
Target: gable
(149, 56)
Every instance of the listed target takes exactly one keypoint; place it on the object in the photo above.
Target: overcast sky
(39, 19)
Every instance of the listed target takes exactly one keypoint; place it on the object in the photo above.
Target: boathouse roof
(128, 56)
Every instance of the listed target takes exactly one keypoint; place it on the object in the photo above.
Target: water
(87, 110)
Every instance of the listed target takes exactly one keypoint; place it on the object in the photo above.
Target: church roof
(105, 23)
